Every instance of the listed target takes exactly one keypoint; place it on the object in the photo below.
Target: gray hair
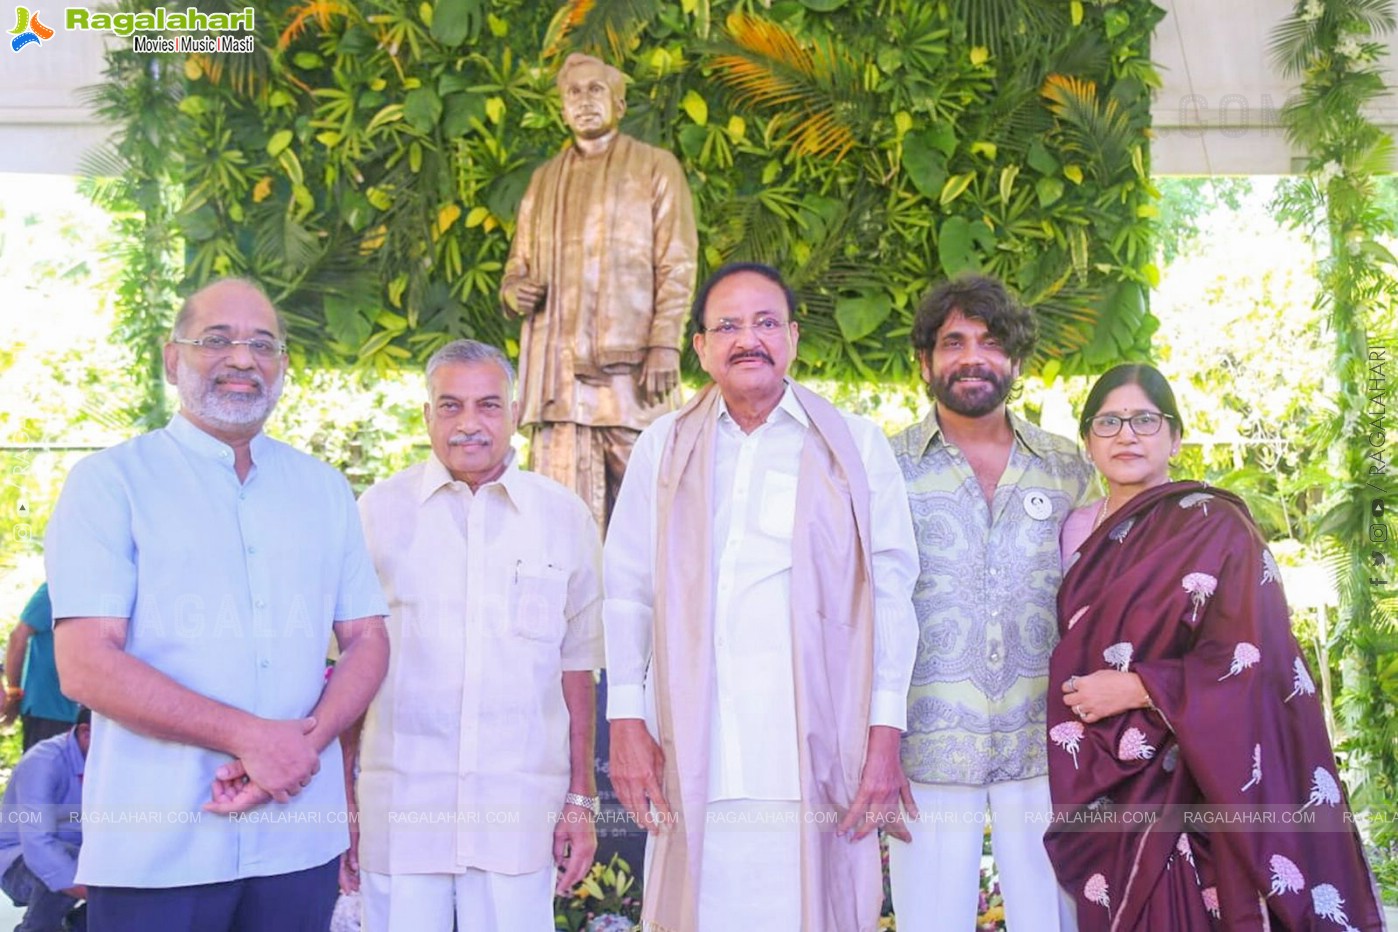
(471, 351)
(190, 303)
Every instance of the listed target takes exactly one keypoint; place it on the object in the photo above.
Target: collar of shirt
(206, 445)
(1027, 435)
(435, 476)
(788, 403)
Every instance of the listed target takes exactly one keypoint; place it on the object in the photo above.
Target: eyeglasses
(218, 345)
(731, 328)
(1144, 424)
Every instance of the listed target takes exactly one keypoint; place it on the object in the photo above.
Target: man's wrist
(591, 803)
(14, 692)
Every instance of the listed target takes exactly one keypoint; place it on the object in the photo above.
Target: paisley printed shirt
(985, 602)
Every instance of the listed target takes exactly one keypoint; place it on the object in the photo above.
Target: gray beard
(201, 397)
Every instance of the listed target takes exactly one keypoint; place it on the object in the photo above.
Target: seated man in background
(40, 830)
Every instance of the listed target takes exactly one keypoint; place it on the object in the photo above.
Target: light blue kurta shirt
(231, 590)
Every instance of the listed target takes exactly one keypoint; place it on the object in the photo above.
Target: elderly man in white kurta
(476, 787)
(760, 637)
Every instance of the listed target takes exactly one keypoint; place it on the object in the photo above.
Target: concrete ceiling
(1217, 113)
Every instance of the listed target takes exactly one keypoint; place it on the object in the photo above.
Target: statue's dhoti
(589, 460)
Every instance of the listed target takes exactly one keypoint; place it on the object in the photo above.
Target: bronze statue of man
(602, 270)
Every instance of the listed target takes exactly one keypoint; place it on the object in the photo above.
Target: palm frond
(813, 94)
(317, 11)
(599, 26)
(1003, 24)
(1100, 131)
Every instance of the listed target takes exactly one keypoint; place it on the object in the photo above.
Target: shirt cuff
(889, 708)
(625, 701)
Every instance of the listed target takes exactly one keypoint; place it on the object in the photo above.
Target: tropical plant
(367, 160)
(1333, 47)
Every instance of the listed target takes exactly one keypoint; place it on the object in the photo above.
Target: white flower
(1256, 769)
(1301, 682)
(1199, 586)
(1270, 571)
(1119, 655)
(1171, 759)
(1095, 890)
(1134, 746)
(1328, 903)
(1210, 897)
(1313, 11)
(1201, 499)
(1349, 47)
(1119, 532)
(1328, 173)
(1244, 656)
(1067, 735)
(1184, 849)
(1286, 876)
(1324, 790)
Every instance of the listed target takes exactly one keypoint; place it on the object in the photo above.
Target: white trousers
(750, 877)
(481, 901)
(935, 879)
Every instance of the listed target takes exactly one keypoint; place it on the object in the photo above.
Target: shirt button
(252, 550)
(242, 496)
(260, 604)
(264, 664)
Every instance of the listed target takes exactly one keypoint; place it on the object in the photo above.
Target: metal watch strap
(591, 803)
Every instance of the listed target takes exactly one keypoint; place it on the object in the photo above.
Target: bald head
(235, 291)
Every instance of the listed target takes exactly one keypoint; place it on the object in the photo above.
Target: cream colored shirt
(753, 753)
(464, 759)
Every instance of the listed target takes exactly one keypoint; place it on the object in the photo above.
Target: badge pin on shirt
(1038, 506)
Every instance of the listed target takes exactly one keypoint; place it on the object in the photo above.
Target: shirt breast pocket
(777, 510)
(538, 598)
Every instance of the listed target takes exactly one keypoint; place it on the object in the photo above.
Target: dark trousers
(47, 908)
(296, 902)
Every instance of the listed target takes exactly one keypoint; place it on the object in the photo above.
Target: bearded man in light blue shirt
(197, 575)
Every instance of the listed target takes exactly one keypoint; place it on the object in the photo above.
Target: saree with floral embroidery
(1221, 807)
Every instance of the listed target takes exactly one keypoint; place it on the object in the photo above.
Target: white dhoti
(481, 901)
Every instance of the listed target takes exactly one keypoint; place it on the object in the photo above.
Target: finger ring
(1072, 684)
(1077, 710)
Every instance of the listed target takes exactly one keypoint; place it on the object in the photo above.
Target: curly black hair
(979, 298)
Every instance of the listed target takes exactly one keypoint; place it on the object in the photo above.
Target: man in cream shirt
(760, 637)
(476, 761)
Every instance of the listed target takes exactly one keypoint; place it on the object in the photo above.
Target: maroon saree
(1222, 809)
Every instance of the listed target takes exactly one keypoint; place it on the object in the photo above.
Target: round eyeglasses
(1143, 424)
(218, 345)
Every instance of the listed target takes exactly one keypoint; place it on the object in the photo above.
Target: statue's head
(594, 96)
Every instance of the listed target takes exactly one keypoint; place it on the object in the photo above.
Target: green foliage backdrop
(367, 160)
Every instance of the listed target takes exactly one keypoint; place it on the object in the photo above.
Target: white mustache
(461, 440)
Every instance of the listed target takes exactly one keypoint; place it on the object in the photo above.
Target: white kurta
(753, 745)
(464, 759)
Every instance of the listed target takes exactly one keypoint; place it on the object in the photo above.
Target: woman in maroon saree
(1193, 782)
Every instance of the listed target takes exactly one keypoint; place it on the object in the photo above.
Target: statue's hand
(659, 374)
(527, 297)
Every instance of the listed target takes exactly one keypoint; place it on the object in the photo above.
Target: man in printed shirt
(989, 492)
(760, 634)
(197, 575)
(476, 764)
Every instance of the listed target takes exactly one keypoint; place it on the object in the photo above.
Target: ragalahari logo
(28, 30)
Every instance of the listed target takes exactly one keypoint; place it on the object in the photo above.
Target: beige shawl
(832, 619)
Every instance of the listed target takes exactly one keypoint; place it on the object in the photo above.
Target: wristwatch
(591, 803)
